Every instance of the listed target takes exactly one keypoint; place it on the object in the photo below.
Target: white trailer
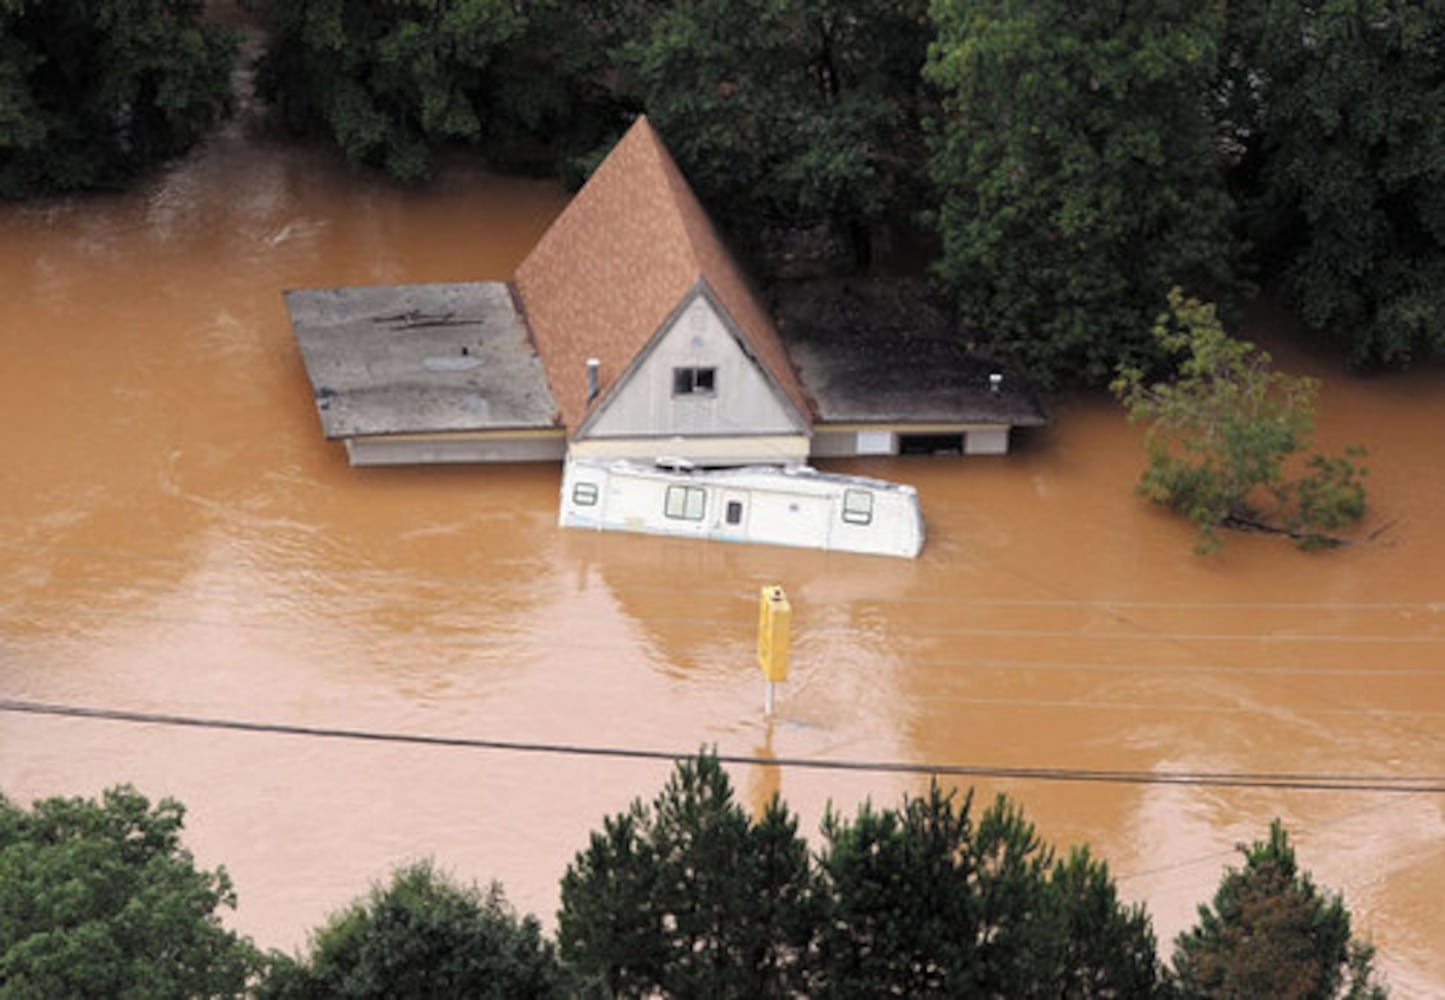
(793, 505)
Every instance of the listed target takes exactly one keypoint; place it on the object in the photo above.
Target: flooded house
(630, 332)
(631, 347)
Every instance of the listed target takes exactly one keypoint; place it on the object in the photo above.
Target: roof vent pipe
(594, 368)
(995, 382)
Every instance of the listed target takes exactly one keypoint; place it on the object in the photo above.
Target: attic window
(694, 381)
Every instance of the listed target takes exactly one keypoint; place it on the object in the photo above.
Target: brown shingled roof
(616, 262)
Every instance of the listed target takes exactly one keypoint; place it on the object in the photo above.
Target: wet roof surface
(880, 352)
(399, 359)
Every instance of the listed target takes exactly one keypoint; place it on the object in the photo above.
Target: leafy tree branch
(1226, 435)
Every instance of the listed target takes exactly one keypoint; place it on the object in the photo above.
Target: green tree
(392, 83)
(1078, 177)
(900, 911)
(92, 92)
(786, 114)
(1271, 933)
(423, 935)
(1336, 114)
(921, 902)
(100, 899)
(1102, 947)
(688, 896)
(1223, 433)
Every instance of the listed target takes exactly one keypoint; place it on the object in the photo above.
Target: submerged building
(629, 332)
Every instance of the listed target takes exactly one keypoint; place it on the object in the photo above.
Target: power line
(1388, 784)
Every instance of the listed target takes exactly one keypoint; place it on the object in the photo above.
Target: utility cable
(1388, 784)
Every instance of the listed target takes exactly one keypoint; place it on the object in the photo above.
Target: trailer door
(733, 514)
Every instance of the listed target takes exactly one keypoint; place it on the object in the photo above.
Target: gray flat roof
(882, 351)
(408, 359)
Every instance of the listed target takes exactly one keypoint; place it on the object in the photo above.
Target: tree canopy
(688, 896)
(100, 899)
(685, 895)
(392, 83)
(922, 901)
(423, 935)
(92, 92)
(1076, 161)
(1271, 932)
(1223, 433)
(791, 114)
(1337, 115)
(1077, 176)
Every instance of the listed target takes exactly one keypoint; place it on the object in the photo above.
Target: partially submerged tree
(424, 935)
(1227, 435)
(92, 92)
(1271, 933)
(100, 899)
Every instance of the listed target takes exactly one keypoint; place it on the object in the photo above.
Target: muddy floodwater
(177, 537)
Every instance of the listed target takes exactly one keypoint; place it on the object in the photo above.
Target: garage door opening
(930, 444)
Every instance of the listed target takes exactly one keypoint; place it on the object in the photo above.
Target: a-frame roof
(615, 264)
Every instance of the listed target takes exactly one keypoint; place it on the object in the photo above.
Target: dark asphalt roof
(881, 351)
(402, 359)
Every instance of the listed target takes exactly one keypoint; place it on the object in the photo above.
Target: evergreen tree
(1077, 175)
(92, 92)
(921, 902)
(1100, 947)
(687, 896)
(1271, 933)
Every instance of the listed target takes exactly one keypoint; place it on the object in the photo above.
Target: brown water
(176, 536)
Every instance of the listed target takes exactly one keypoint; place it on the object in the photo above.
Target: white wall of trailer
(800, 508)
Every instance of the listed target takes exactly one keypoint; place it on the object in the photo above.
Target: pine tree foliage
(1271, 932)
(923, 902)
(688, 896)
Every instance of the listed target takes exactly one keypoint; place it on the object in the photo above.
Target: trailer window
(685, 503)
(857, 507)
(735, 512)
(584, 494)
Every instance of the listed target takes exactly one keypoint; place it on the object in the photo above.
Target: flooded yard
(177, 537)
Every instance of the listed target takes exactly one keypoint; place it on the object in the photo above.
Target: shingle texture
(618, 260)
